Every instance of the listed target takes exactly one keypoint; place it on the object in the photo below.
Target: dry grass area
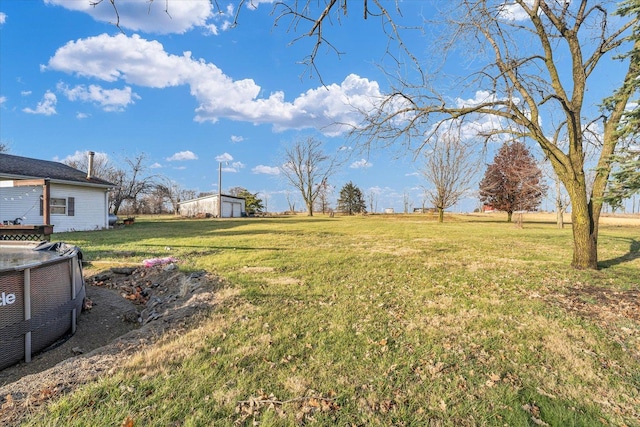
(606, 219)
(380, 320)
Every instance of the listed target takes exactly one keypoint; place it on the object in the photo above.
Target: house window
(60, 206)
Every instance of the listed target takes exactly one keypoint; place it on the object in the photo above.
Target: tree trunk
(559, 218)
(310, 209)
(116, 206)
(559, 206)
(440, 215)
(509, 215)
(584, 223)
(585, 240)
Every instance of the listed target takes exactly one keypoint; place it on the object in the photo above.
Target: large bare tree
(172, 192)
(130, 183)
(101, 167)
(449, 167)
(536, 59)
(322, 203)
(306, 167)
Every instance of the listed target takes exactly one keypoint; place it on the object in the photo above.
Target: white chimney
(90, 166)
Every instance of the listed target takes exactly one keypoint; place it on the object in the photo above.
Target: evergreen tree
(625, 179)
(351, 200)
(252, 203)
(513, 182)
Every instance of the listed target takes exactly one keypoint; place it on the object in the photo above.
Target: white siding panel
(24, 202)
(232, 207)
(195, 207)
(19, 202)
(90, 209)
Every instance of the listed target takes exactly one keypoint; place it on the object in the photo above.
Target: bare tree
(265, 197)
(527, 93)
(322, 203)
(521, 50)
(154, 202)
(306, 167)
(372, 198)
(450, 168)
(172, 192)
(291, 202)
(236, 191)
(101, 166)
(130, 183)
(4, 148)
(407, 204)
(562, 200)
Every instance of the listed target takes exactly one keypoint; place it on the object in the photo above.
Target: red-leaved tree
(513, 182)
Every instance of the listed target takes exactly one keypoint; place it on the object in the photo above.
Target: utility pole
(219, 189)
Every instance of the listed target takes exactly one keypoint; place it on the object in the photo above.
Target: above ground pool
(41, 293)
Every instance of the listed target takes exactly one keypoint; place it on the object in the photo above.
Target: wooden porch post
(46, 202)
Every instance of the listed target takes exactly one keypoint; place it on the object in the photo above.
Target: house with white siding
(36, 192)
(232, 207)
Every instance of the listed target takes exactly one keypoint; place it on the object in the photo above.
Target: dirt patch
(127, 310)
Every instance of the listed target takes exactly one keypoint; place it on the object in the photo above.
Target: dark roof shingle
(28, 168)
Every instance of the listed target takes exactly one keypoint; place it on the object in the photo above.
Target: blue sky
(187, 90)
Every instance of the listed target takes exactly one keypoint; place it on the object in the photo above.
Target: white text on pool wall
(7, 299)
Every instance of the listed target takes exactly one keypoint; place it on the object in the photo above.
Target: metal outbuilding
(232, 207)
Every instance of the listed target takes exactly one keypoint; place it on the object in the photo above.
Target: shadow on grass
(214, 248)
(634, 253)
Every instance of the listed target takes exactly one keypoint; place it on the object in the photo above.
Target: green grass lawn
(377, 320)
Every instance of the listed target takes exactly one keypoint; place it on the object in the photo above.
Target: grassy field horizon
(379, 320)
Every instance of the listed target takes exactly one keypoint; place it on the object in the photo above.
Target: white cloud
(156, 165)
(267, 170)
(377, 190)
(81, 157)
(481, 97)
(107, 99)
(330, 109)
(157, 17)
(82, 116)
(3, 18)
(25, 93)
(359, 164)
(236, 139)
(161, 17)
(225, 157)
(224, 17)
(233, 168)
(182, 155)
(3, 99)
(512, 12)
(46, 107)
(483, 124)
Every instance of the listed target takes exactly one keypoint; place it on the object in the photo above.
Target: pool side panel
(52, 303)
